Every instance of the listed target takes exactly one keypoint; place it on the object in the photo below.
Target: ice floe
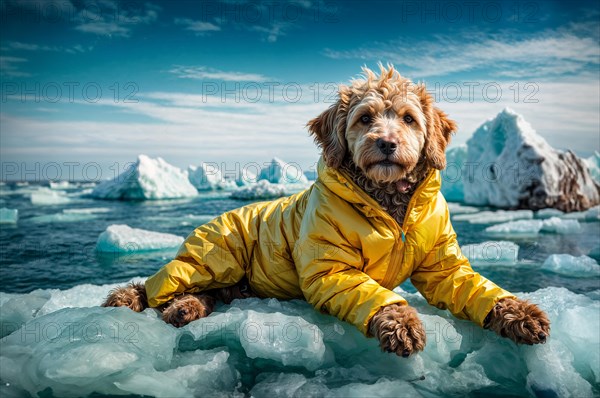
(565, 264)
(123, 238)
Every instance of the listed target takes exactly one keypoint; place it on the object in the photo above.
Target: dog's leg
(398, 329)
(133, 296)
(187, 308)
(520, 321)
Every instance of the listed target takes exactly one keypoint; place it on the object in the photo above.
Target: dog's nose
(542, 336)
(386, 147)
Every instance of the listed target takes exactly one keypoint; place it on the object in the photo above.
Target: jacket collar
(341, 185)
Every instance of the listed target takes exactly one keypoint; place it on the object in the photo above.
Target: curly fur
(132, 296)
(398, 329)
(182, 309)
(392, 200)
(391, 179)
(187, 308)
(520, 321)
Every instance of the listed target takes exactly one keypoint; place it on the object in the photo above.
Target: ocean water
(49, 248)
(53, 247)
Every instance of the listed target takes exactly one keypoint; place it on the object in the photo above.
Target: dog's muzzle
(386, 147)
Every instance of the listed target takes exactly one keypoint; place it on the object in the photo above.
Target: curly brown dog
(384, 135)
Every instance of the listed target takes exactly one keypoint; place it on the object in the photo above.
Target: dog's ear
(329, 129)
(439, 131)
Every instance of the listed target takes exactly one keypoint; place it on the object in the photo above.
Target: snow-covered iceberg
(492, 253)
(123, 238)
(565, 264)
(207, 176)
(280, 172)
(452, 176)
(9, 216)
(511, 166)
(271, 348)
(147, 178)
(261, 190)
(593, 164)
(533, 227)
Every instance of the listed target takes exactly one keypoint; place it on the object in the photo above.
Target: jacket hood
(341, 185)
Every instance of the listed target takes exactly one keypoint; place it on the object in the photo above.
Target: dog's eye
(366, 119)
(408, 119)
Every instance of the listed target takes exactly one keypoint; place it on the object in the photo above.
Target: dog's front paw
(399, 330)
(520, 321)
(187, 308)
(132, 296)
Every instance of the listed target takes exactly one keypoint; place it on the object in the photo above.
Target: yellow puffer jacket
(336, 247)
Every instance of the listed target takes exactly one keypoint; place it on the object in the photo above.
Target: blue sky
(236, 81)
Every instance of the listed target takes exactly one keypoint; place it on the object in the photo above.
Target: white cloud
(553, 52)
(109, 19)
(9, 66)
(203, 72)
(272, 31)
(199, 27)
(15, 45)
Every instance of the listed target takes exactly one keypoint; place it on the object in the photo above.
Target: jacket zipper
(394, 268)
(397, 230)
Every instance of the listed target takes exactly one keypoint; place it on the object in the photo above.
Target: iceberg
(208, 177)
(147, 178)
(8, 216)
(593, 165)
(490, 217)
(123, 238)
(492, 253)
(264, 347)
(452, 175)
(261, 190)
(533, 227)
(47, 197)
(511, 166)
(565, 264)
(280, 172)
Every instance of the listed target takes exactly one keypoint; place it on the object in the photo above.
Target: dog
(373, 218)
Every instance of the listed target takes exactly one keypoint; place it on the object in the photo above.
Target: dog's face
(387, 125)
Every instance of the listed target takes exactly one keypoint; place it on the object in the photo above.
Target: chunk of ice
(289, 340)
(565, 264)
(457, 208)
(490, 217)
(261, 190)
(533, 227)
(45, 196)
(9, 216)
(560, 226)
(492, 253)
(123, 238)
(114, 351)
(62, 217)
